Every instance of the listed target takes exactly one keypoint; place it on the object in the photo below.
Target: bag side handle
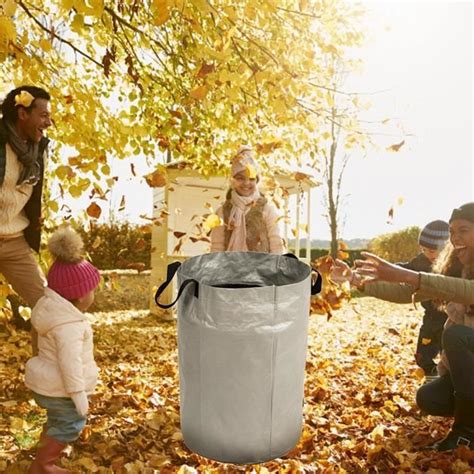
(171, 271)
(317, 285)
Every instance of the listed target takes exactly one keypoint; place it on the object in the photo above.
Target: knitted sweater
(13, 198)
(32, 209)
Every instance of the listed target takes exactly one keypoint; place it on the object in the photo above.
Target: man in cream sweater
(25, 117)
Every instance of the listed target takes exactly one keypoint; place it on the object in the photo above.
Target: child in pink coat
(64, 371)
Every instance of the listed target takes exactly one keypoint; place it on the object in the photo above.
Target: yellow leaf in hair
(24, 98)
(425, 341)
(251, 171)
(212, 221)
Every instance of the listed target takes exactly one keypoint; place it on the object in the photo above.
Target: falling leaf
(390, 214)
(342, 255)
(178, 235)
(212, 221)
(157, 179)
(396, 147)
(94, 210)
(251, 171)
(25, 312)
(122, 204)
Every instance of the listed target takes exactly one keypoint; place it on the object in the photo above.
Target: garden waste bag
(242, 337)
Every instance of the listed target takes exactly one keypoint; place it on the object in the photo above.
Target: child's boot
(49, 450)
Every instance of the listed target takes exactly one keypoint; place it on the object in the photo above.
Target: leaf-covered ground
(359, 403)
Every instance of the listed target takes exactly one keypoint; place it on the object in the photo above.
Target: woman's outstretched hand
(374, 268)
(340, 272)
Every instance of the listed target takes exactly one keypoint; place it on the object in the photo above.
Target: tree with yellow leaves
(193, 78)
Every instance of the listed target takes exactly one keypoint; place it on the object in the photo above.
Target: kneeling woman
(452, 394)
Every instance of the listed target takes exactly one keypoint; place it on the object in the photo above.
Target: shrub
(118, 246)
(398, 246)
(354, 254)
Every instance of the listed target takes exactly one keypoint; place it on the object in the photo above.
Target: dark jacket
(421, 263)
(33, 206)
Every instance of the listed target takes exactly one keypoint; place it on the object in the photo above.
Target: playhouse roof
(287, 178)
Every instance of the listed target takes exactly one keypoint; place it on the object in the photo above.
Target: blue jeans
(63, 423)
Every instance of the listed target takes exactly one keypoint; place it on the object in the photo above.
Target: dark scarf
(27, 153)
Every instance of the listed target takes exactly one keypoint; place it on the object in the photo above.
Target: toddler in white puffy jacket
(64, 371)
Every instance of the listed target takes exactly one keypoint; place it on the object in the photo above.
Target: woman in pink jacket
(250, 221)
(64, 371)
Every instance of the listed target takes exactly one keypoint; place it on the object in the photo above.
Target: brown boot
(49, 450)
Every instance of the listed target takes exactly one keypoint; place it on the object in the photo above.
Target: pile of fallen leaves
(359, 401)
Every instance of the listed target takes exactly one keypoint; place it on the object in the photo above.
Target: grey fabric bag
(242, 337)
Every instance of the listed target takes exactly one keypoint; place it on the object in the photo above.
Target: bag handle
(318, 284)
(171, 271)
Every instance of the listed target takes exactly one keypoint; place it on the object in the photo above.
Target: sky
(420, 54)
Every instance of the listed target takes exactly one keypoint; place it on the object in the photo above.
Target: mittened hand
(81, 402)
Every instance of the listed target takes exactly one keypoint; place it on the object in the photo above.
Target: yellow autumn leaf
(161, 17)
(400, 201)
(186, 470)
(67, 4)
(24, 312)
(7, 33)
(425, 341)
(377, 433)
(77, 23)
(53, 206)
(9, 7)
(18, 424)
(88, 463)
(45, 45)
(97, 7)
(198, 93)
(24, 98)
(212, 221)
(251, 171)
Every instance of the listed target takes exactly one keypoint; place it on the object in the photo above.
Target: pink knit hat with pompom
(70, 275)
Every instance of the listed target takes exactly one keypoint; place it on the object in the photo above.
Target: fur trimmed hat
(244, 160)
(70, 275)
